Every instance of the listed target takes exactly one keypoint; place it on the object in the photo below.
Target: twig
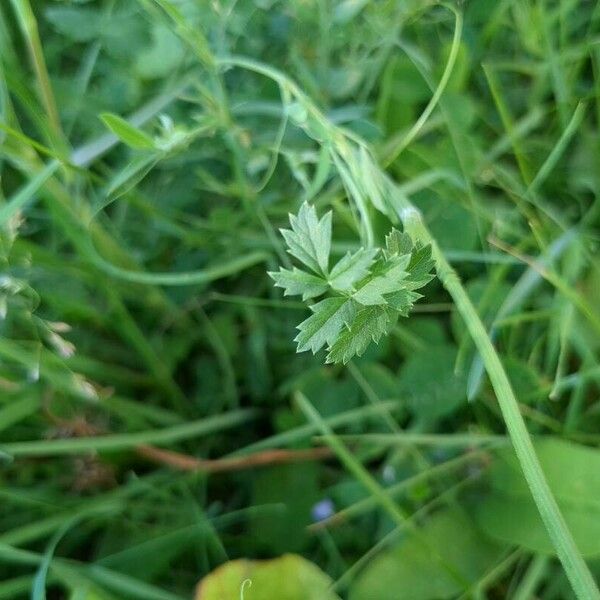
(184, 462)
(79, 427)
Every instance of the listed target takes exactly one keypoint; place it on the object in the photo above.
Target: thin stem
(29, 27)
(370, 483)
(393, 153)
(531, 580)
(575, 567)
(184, 462)
(120, 441)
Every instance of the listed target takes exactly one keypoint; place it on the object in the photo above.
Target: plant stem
(382, 496)
(29, 27)
(120, 441)
(575, 567)
(398, 146)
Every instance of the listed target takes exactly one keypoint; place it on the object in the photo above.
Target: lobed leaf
(324, 326)
(299, 283)
(402, 301)
(351, 268)
(420, 267)
(397, 242)
(387, 278)
(309, 240)
(368, 325)
(369, 291)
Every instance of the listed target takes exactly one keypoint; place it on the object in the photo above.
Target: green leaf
(295, 489)
(370, 292)
(524, 378)
(161, 57)
(351, 268)
(402, 301)
(431, 397)
(426, 331)
(309, 240)
(325, 324)
(126, 179)
(299, 283)
(382, 380)
(408, 571)
(79, 23)
(336, 394)
(397, 242)
(347, 10)
(420, 267)
(127, 133)
(87, 592)
(321, 174)
(368, 325)
(372, 181)
(452, 226)
(27, 194)
(573, 473)
(387, 279)
(289, 577)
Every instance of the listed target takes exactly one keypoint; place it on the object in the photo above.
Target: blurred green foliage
(144, 179)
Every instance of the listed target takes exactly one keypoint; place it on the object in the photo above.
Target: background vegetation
(155, 419)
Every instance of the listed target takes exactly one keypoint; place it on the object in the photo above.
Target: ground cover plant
(299, 299)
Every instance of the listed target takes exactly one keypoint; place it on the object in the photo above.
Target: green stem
(28, 24)
(532, 578)
(399, 146)
(575, 567)
(381, 495)
(123, 441)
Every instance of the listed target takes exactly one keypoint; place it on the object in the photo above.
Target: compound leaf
(420, 267)
(387, 279)
(324, 326)
(309, 239)
(369, 324)
(299, 283)
(351, 268)
(369, 289)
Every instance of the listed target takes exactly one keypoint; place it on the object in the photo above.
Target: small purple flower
(323, 509)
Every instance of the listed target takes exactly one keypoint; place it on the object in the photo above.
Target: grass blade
(121, 441)
(575, 567)
(26, 194)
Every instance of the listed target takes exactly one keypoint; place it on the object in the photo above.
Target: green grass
(151, 150)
